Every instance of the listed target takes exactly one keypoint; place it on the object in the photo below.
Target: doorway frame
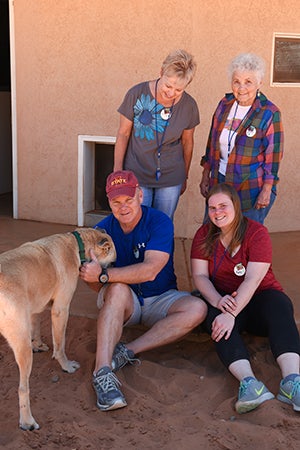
(86, 173)
(13, 108)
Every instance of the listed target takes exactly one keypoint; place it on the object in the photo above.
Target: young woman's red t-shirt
(256, 247)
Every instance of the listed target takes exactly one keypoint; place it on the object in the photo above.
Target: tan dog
(33, 275)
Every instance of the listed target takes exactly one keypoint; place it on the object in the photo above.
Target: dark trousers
(269, 313)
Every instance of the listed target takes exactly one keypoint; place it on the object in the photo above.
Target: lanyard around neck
(232, 131)
(160, 144)
(217, 266)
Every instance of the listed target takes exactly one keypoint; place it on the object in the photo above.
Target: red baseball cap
(121, 182)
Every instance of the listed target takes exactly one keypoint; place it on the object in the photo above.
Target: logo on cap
(121, 182)
(118, 180)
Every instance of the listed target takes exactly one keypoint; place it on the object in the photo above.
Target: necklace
(165, 114)
(232, 131)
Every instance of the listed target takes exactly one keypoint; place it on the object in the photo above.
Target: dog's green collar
(81, 247)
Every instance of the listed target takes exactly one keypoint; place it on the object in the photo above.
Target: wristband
(231, 314)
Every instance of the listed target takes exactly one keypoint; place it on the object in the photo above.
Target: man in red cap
(140, 289)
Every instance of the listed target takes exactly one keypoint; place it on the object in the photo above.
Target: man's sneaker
(106, 385)
(251, 394)
(122, 356)
(289, 392)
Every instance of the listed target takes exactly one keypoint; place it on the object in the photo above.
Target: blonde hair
(181, 64)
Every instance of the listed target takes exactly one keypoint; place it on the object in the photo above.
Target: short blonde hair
(249, 62)
(181, 64)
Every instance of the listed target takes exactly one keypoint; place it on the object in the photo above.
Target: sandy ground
(180, 397)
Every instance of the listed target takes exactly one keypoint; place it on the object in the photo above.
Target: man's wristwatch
(103, 277)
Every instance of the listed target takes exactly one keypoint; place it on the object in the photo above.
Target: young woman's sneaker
(289, 391)
(251, 394)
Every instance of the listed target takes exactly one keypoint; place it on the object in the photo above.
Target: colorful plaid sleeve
(255, 158)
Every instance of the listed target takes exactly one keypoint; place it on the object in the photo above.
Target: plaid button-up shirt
(254, 159)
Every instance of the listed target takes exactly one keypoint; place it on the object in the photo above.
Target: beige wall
(75, 59)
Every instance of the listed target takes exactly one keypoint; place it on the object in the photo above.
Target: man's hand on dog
(90, 271)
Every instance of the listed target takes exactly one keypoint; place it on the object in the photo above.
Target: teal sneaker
(251, 394)
(289, 392)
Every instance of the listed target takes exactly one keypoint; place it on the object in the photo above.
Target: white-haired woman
(245, 143)
(156, 134)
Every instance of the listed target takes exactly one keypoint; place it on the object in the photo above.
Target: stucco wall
(75, 59)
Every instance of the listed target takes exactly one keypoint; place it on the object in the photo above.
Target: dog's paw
(39, 347)
(29, 426)
(71, 366)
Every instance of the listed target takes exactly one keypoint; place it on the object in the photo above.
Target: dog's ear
(105, 245)
(102, 230)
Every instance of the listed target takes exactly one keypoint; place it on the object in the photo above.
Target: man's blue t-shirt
(154, 231)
